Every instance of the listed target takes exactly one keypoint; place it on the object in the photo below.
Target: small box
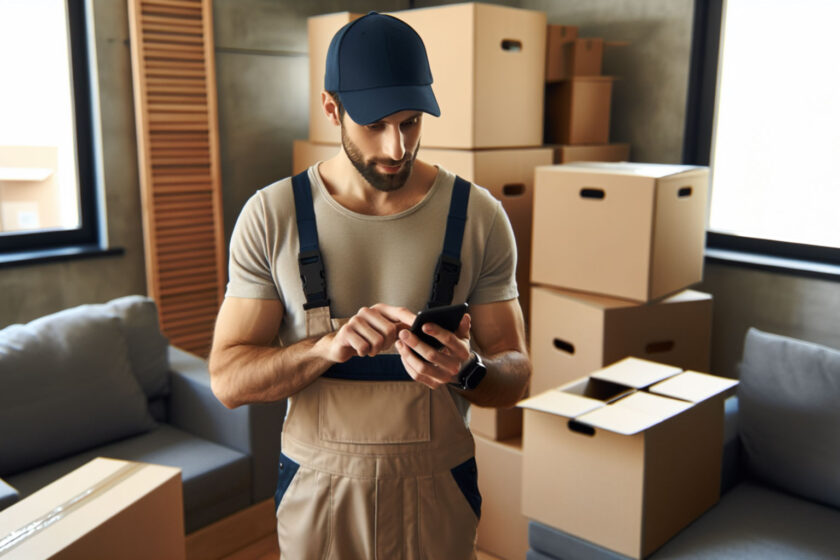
(574, 333)
(628, 230)
(320, 30)
(577, 111)
(306, 153)
(488, 66)
(591, 152)
(626, 457)
(557, 36)
(496, 423)
(578, 57)
(104, 509)
(502, 530)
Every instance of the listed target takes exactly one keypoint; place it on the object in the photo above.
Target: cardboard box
(104, 509)
(574, 333)
(488, 66)
(626, 457)
(557, 36)
(496, 423)
(577, 111)
(305, 154)
(578, 57)
(481, 555)
(502, 530)
(320, 31)
(591, 152)
(628, 230)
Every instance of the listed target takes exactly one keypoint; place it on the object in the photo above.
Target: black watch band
(471, 374)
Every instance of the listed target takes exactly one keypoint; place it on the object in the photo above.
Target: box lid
(693, 386)
(635, 372)
(558, 402)
(652, 170)
(634, 413)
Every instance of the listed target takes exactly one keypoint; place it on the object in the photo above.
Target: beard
(384, 182)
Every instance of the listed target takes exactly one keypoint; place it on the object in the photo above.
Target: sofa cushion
(65, 385)
(789, 418)
(147, 346)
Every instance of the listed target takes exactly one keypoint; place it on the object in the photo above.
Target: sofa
(780, 477)
(101, 380)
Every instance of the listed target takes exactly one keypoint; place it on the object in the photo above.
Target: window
(762, 113)
(47, 191)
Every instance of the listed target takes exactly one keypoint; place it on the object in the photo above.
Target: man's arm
(246, 366)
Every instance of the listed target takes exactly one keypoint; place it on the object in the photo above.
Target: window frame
(795, 258)
(25, 246)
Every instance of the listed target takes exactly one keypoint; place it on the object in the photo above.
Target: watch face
(474, 376)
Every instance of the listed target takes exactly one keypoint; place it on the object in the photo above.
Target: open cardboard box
(625, 457)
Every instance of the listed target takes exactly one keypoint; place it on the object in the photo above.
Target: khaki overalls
(374, 464)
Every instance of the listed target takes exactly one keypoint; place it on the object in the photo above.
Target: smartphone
(447, 317)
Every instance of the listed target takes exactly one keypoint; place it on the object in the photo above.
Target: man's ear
(330, 108)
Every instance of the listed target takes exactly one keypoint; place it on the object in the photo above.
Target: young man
(327, 271)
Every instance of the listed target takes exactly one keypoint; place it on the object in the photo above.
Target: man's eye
(410, 123)
(375, 126)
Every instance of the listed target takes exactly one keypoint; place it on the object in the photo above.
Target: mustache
(393, 162)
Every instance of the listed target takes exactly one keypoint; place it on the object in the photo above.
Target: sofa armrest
(251, 429)
(731, 468)
(8, 495)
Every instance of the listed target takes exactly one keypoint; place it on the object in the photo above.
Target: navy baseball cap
(377, 65)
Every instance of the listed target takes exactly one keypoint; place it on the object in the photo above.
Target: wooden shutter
(178, 147)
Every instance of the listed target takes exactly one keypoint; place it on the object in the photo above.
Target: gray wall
(262, 68)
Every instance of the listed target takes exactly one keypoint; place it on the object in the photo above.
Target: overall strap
(310, 263)
(448, 269)
(384, 367)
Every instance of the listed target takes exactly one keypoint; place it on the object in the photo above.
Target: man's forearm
(505, 383)
(243, 374)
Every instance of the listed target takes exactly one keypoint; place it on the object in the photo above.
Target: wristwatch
(471, 374)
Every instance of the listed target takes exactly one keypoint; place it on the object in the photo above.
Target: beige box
(502, 530)
(591, 152)
(496, 423)
(626, 457)
(578, 57)
(628, 230)
(557, 37)
(320, 31)
(306, 154)
(577, 111)
(104, 509)
(574, 333)
(488, 66)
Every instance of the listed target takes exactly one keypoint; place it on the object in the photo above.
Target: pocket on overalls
(374, 412)
(466, 477)
(286, 470)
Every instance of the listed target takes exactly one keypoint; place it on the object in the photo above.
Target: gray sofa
(101, 380)
(781, 466)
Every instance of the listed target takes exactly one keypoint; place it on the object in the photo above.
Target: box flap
(652, 170)
(634, 414)
(636, 372)
(561, 403)
(693, 386)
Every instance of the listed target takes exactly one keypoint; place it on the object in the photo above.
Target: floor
(263, 549)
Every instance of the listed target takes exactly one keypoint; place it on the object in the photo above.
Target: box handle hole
(588, 192)
(659, 347)
(513, 189)
(581, 428)
(511, 45)
(564, 346)
(684, 192)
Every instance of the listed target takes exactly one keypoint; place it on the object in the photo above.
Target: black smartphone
(447, 317)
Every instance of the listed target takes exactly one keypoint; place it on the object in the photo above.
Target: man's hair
(338, 104)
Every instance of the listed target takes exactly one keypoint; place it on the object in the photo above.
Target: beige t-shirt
(368, 259)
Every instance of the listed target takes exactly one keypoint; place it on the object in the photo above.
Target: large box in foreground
(575, 333)
(627, 230)
(104, 509)
(502, 530)
(488, 66)
(626, 457)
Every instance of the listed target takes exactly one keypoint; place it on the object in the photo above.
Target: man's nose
(394, 143)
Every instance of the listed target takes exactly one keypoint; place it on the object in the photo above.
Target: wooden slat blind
(178, 146)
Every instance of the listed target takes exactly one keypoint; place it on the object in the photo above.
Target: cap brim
(370, 105)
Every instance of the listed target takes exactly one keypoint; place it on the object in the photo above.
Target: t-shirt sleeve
(497, 279)
(249, 267)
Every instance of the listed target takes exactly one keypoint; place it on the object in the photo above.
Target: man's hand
(441, 366)
(370, 331)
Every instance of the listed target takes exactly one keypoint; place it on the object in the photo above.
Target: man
(327, 270)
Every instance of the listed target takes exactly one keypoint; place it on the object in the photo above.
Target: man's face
(383, 152)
